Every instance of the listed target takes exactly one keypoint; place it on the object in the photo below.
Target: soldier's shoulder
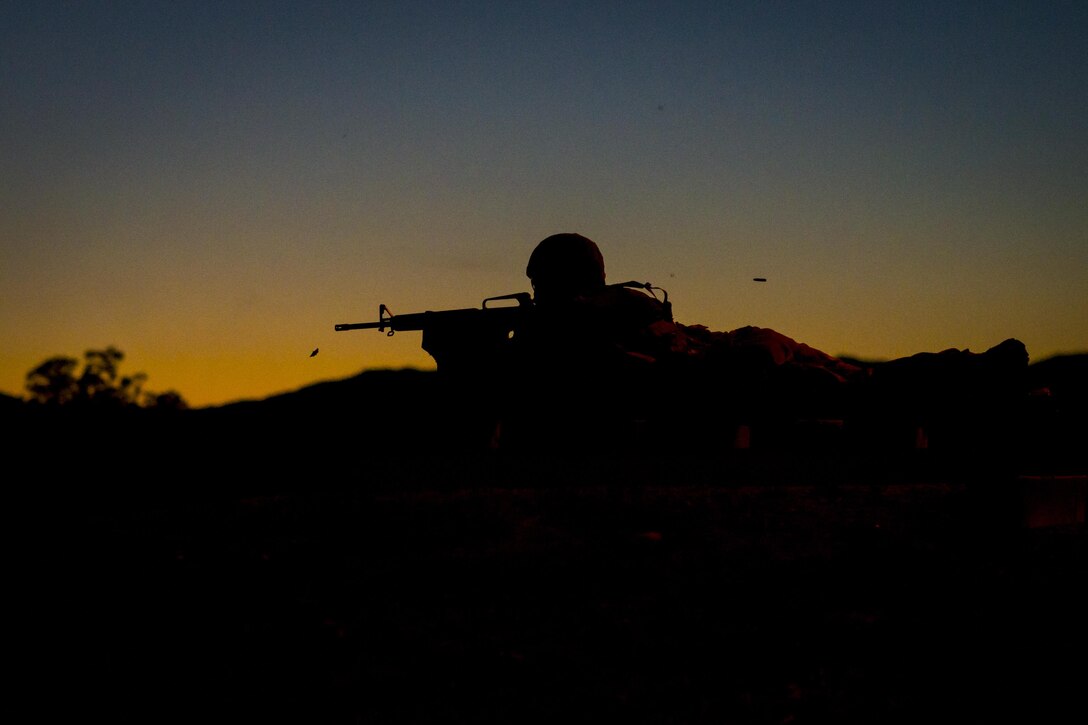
(631, 299)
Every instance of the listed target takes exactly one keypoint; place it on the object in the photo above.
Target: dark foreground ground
(322, 557)
(485, 590)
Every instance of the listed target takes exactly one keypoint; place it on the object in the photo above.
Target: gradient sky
(211, 186)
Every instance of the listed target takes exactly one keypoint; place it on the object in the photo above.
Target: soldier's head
(564, 266)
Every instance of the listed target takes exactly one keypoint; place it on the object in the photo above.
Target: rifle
(471, 336)
(455, 337)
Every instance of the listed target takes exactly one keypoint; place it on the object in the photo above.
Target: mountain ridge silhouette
(378, 419)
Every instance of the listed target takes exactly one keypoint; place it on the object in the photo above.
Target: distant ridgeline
(391, 415)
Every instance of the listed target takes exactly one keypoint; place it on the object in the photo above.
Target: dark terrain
(328, 557)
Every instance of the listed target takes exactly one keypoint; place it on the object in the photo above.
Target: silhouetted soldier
(582, 369)
(604, 362)
(597, 363)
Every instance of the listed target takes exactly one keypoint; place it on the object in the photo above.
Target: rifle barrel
(361, 325)
(494, 316)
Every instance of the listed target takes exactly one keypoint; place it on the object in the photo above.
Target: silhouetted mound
(1054, 425)
(1065, 377)
(375, 411)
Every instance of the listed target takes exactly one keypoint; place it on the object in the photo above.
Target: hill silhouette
(382, 418)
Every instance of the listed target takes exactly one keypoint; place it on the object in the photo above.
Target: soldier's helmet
(564, 266)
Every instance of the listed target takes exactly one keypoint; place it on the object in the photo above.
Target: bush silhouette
(99, 385)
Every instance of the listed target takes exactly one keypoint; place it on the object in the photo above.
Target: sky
(211, 186)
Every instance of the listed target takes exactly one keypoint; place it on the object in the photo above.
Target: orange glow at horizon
(210, 192)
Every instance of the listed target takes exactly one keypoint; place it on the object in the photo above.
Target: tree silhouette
(99, 385)
(53, 382)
